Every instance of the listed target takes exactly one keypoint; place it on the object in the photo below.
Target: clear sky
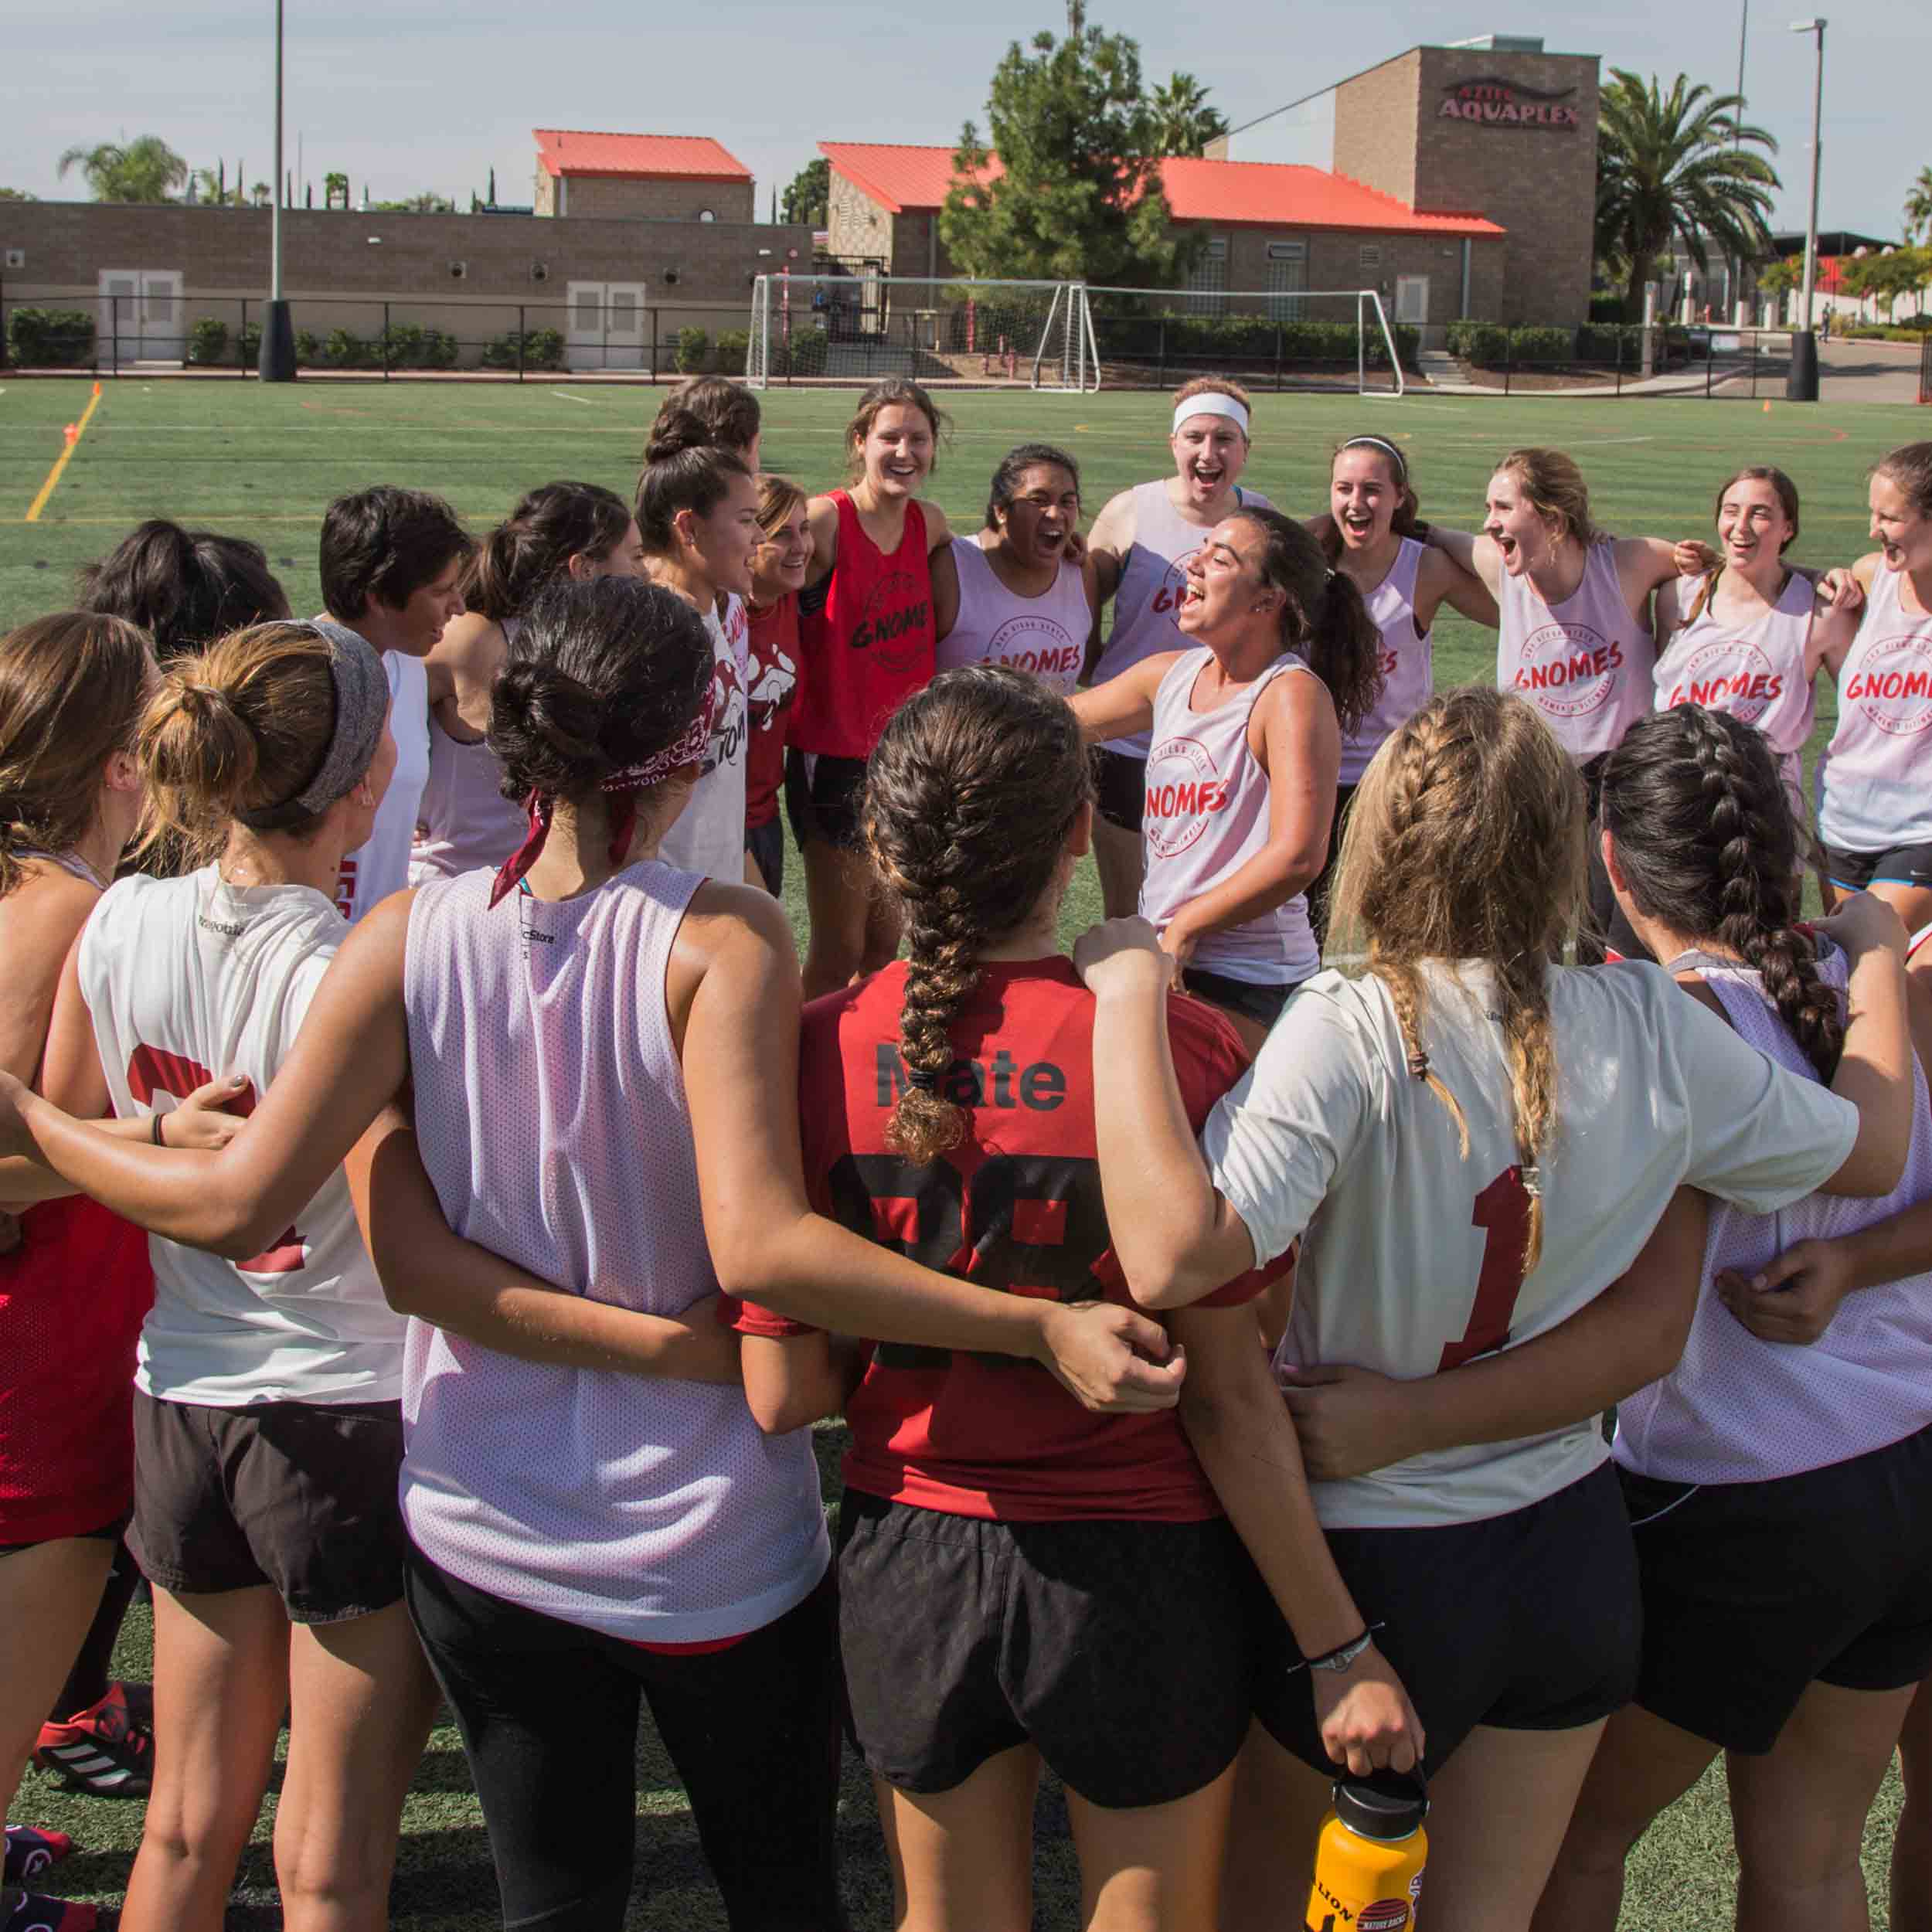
(414, 94)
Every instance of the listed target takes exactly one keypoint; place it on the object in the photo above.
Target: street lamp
(276, 362)
(1801, 385)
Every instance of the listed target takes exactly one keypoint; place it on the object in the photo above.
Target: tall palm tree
(1184, 124)
(1918, 207)
(1678, 166)
(145, 169)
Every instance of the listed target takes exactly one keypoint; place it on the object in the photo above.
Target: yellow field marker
(75, 432)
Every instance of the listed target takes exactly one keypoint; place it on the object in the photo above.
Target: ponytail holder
(1532, 1178)
(1331, 577)
(919, 1078)
(1419, 1066)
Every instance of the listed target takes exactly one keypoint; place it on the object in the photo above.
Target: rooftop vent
(1502, 43)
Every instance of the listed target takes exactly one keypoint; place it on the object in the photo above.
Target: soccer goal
(1281, 338)
(951, 333)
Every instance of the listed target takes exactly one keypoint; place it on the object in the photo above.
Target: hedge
(542, 348)
(1254, 338)
(50, 337)
(692, 347)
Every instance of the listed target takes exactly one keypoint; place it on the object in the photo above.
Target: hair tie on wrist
(155, 1132)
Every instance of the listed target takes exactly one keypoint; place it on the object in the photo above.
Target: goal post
(951, 332)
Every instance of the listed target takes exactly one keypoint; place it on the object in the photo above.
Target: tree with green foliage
(1918, 208)
(1887, 277)
(1184, 123)
(1678, 166)
(807, 198)
(16, 194)
(1781, 276)
(426, 203)
(1078, 191)
(145, 169)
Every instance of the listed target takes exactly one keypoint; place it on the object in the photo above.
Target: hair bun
(677, 429)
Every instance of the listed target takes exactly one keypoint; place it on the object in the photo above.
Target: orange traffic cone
(97, 389)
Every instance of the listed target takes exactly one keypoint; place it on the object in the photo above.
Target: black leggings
(549, 1714)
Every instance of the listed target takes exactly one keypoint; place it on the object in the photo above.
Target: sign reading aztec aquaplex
(1491, 101)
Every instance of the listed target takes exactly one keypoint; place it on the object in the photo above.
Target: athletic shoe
(105, 1750)
(30, 1852)
(29, 1912)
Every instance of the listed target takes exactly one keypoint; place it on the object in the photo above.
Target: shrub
(733, 345)
(343, 350)
(50, 337)
(308, 351)
(248, 349)
(804, 355)
(1490, 346)
(690, 347)
(404, 346)
(542, 348)
(207, 340)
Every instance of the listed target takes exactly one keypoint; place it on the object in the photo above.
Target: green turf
(263, 463)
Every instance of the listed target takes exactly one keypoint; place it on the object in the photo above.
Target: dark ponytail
(538, 538)
(1708, 846)
(1324, 621)
(184, 588)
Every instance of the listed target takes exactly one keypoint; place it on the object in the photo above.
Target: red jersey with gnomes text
(771, 686)
(1016, 1206)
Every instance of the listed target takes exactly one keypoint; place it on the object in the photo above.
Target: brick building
(640, 177)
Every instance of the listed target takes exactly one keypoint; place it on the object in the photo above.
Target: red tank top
(771, 689)
(73, 1298)
(869, 646)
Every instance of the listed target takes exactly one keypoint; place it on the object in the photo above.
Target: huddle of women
(1223, 1342)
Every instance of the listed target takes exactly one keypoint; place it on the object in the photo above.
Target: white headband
(1211, 404)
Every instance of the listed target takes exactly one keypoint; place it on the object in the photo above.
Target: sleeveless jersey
(869, 645)
(1045, 635)
(1875, 778)
(464, 822)
(550, 1109)
(1412, 1259)
(1738, 1409)
(1408, 662)
(1016, 1206)
(187, 980)
(381, 866)
(1585, 664)
(771, 687)
(1147, 601)
(709, 836)
(1207, 815)
(72, 1293)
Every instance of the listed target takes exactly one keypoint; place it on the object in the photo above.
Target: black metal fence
(1619, 358)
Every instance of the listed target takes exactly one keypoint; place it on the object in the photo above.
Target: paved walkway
(1868, 372)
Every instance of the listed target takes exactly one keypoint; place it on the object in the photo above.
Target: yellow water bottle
(1368, 1859)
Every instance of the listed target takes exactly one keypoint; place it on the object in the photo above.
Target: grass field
(261, 463)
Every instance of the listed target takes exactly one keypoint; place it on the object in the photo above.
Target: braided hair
(1708, 846)
(970, 795)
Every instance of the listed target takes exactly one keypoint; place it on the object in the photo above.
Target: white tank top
(381, 866)
(1045, 635)
(187, 980)
(1585, 664)
(464, 821)
(1147, 601)
(550, 1109)
(1874, 779)
(709, 836)
(1206, 816)
(1408, 662)
(1738, 1409)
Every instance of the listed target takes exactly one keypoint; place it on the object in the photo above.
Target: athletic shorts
(1897, 865)
(108, 1533)
(1753, 1591)
(298, 1495)
(1261, 1001)
(1120, 788)
(765, 845)
(1122, 1651)
(1526, 1622)
(823, 795)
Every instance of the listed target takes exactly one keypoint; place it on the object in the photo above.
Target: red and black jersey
(1016, 1206)
(771, 686)
(868, 636)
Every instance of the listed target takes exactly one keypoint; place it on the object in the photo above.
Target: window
(1288, 274)
(623, 311)
(589, 315)
(1207, 281)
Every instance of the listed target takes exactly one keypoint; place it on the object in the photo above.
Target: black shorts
(298, 1495)
(1120, 788)
(1322, 885)
(1252, 999)
(822, 798)
(1897, 865)
(1122, 1651)
(1526, 1622)
(765, 845)
(1752, 1591)
(107, 1533)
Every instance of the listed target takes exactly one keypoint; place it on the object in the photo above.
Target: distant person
(777, 573)
(184, 588)
(729, 411)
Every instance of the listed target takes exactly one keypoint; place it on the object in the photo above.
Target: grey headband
(361, 709)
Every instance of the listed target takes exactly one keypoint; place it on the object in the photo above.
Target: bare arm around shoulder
(1109, 541)
(945, 569)
(739, 1024)
(821, 525)
(1439, 579)
(1123, 704)
(429, 1271)
(1470, 551)
(1875, 1070)
(1352, 1420)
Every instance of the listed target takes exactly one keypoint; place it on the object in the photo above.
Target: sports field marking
(589, 402)
(60, 462)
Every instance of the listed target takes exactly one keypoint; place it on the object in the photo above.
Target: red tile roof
(1240, 193)
(576, 151)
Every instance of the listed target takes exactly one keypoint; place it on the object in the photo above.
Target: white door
(141, 315)
(1412, 299)
(606, 325)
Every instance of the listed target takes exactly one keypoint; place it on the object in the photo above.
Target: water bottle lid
(1387, 1805)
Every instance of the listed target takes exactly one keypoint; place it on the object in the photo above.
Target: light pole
(1800, 386)
(276, 360)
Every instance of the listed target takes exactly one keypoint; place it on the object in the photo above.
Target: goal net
(951, 333)
(1281, 338)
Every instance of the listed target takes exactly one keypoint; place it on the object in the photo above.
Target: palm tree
(145, 169)
(1678, 166)
(1918, 206)
(1184, 124)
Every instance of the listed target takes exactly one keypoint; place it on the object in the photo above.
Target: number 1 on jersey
(1502, 1212)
